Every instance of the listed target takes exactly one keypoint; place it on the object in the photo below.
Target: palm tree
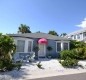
(24, 29)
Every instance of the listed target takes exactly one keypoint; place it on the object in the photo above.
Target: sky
(43, 15)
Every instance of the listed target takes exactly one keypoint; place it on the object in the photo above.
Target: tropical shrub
(65, 53)
(77, 44)
(77, 53)
(68, 62)
(18, 65)
(7, 49)
(6, 65)
(84, 53)
(39, 65)
(10, 66)
(7, 46)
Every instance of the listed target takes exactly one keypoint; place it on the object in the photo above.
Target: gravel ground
(31, 71)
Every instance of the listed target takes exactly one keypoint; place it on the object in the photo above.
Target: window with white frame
(74, 36)
(58, 46)
(65, 46)
(20, 45)
(71, 36)
(78, 36)
(84, 34)
(29, 46)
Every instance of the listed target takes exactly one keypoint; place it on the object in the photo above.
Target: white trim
(26, 43)
(45, 49)
(20, 38)
(32, 47)
(62, 46)
(56, 45)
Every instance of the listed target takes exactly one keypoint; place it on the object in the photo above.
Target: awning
(42, 41)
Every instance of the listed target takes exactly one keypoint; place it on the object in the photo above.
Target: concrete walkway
(80, 76)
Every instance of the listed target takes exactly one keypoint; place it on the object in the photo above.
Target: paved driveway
(81, 76)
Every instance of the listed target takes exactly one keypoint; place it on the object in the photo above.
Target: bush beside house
(77, 53)
(70, 57)
(77, 44)
(68, 62)
(67, 59)
(7, 49)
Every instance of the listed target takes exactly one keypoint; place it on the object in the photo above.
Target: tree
(63, 34)
(24, 29)
(53, 33)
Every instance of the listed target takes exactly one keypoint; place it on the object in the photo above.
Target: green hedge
(68, 62)
(78, 53)
(6, 65)
(66, 53)
(70, 57)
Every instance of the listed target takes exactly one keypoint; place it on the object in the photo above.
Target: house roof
(77, 32)
(39, 35)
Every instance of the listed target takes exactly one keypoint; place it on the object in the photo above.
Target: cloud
(83, 24)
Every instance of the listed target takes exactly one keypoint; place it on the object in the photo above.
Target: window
(29, 46)
(59, 46)
(71, 36)
(84, 34)
(78, 36)
(74, 36)
(20, 45)
(65, 45)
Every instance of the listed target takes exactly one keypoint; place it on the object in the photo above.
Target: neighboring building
(26, 42)
(79, 35)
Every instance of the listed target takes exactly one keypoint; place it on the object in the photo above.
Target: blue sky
(42, 15)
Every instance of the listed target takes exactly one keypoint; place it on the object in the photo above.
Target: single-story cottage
(27, 42)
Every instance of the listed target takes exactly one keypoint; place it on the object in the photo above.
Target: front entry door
(42, 50)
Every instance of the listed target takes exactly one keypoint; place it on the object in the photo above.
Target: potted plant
(36, 49)
(49, 48)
